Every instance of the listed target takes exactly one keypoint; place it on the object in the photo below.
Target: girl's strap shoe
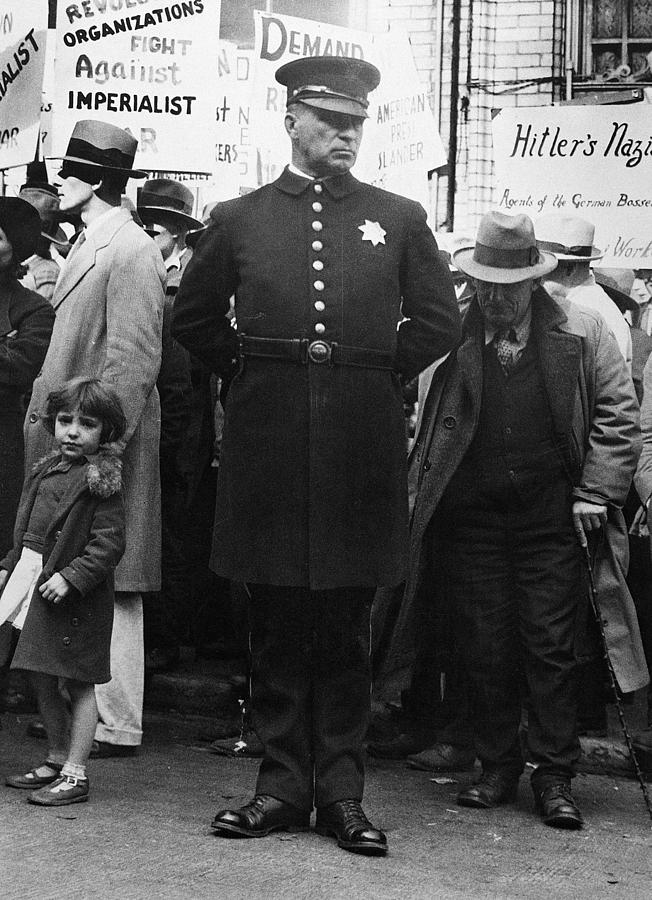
(31, 780)
(66, 789)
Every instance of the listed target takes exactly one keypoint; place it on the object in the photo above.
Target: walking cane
(595, 604)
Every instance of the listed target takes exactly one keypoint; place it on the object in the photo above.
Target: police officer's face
(504, 305)
(323, 142)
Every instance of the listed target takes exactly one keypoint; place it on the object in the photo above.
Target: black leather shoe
(491, 790)
(556, 806)
(259, 817)
(346, 821)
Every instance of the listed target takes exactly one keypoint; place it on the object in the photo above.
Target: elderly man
(527, 443)
(109, 308)
(339, 288)
(570, 239)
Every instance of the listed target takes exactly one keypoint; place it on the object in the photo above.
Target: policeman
(339, 290)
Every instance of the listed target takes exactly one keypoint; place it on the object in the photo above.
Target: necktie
(504, 343)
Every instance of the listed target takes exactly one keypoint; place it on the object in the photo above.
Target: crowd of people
(276, 342)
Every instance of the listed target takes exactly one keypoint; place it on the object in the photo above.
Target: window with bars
(618, 41)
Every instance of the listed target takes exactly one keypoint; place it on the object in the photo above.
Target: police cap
(336, 83)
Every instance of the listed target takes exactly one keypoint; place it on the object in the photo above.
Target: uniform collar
(338, 186)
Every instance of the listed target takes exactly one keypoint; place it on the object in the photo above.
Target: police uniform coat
(83, 542)
(595, 417)
(312, 479)
(109, 310)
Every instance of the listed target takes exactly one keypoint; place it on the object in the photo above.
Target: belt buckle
(320, 352)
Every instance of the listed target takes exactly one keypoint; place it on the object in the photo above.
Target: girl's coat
(84, 542)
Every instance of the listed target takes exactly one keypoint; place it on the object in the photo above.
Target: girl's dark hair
(92, 398)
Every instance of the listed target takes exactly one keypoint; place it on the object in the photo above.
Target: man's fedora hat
(169, 197)
(21, 224)
(617, 284)
(337, 83)
(568, 237)
(505, 251)
(105, 146)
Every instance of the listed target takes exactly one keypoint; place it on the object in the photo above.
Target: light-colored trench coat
(109, 310)
(595, 415)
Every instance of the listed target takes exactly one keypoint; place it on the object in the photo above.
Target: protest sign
(234, 165)
(145, 66)
(233, 170)
(23, 30)
(400, 142)
(47, 97)
(590, 161)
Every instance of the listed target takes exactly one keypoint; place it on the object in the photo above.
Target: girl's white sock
(74, 771)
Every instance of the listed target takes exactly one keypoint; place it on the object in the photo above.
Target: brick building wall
(507, 58)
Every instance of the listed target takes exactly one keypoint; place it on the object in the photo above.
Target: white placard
(590, 161)
(23, 31)
(145, 66)
(402, 142)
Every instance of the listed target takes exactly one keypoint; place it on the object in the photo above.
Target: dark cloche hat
(170, 197)
(21, 224)
(105, 146)
(336, 83)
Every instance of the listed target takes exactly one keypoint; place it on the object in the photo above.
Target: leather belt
(319, 352)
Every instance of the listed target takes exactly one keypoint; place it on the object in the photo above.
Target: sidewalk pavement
(145, 835)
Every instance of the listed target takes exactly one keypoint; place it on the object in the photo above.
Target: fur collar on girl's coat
(104, 470)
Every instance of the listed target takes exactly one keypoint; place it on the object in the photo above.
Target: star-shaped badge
(371, 231)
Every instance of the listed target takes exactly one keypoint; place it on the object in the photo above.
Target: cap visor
(335, 104)
(464, 261)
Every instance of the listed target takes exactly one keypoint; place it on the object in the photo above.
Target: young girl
(58, 580)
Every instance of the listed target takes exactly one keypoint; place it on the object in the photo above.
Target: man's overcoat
(312, 480)
(109, 310)
(595, 417)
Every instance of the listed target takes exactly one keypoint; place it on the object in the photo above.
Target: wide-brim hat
(192, 238)
(568, 237)
(21, 224)
(615, 287)
(167, 197)
(336, 83)
(104, 146)
(505, 251)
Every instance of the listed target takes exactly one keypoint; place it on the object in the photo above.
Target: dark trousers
(310, 691)
(166, 613)
(514, 570)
